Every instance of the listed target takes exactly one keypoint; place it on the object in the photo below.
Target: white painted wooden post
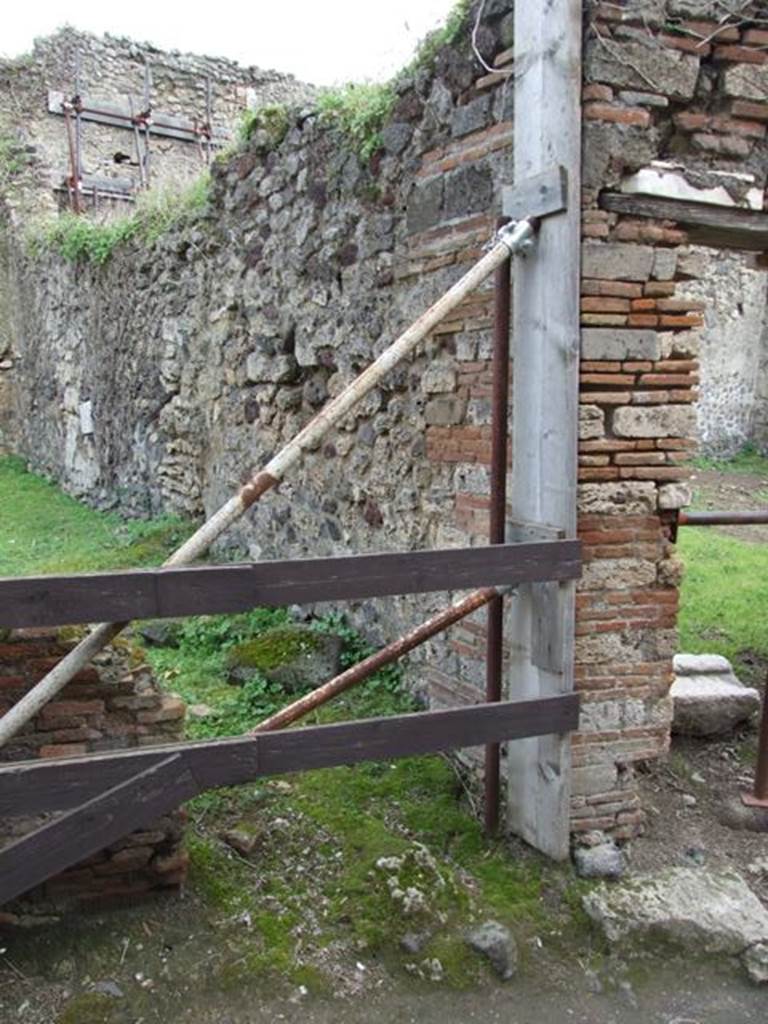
(540, 621)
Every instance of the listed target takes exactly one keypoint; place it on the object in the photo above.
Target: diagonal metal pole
(513, 238)
(392, 652)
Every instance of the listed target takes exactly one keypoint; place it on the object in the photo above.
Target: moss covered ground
(310, 896)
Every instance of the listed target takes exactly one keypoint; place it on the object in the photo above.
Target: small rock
(199, 711)
(695, 855)
(109, 988)
(160, 632)
(733, 813)
(432, 969)
(604, 861)
(755, 960)
(689, 800)
(414, 942)
(389, 863)
(241, 840)
(495, 942)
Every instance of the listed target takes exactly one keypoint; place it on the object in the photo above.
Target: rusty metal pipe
(74, 178)
(497, 523)
(722, 518)
(759, 795)
(366, 668)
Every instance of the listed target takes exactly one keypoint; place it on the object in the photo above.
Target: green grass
(342, 819)
(725, 586)
(79, 239)
(359, 110)
(748, 460)
(43, 530)
(724, 596)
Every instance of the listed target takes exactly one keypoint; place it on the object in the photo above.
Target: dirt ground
(726, 491)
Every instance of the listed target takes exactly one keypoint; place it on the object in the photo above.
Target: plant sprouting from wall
(445, 35)
(270, 124)
(13, 159)
(360, 112)
(80, 239)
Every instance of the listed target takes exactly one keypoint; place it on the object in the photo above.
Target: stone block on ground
(694, 909)
(295, 657)
(604, 860)
(708, 699)
(495, 942)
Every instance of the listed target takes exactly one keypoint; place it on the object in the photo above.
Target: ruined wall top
(111, 71)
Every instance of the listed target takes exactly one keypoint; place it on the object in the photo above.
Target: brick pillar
(638, 383)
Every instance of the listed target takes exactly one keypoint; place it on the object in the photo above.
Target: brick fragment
(752, 111)
(742, 54)
(594, 91)
(617, 114)
(63, 750)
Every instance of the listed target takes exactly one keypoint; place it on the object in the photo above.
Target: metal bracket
(538, 196)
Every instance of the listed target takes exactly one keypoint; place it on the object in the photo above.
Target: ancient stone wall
(157, 381)
(113, 705)
(112, 70)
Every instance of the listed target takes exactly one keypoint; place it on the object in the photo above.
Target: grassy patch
(43, 530)
(272, 122)
(724, 591)
(360, 111)
(444, 35)
(748, 460)
(80, 239)
(726, 585)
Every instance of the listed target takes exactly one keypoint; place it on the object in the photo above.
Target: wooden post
(540, 623)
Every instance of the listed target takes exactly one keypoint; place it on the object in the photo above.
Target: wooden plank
(196, 590)
(32, 787)
(115, 115)
(538, 196)
(705, 223)
(83, 831)
(545, 405)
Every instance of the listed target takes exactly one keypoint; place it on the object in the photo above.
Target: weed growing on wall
(360, 112)
(80, 239)
(12, 159)
(445, 35)
(271, 122)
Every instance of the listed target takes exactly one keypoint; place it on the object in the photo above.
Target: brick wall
(685, 91)
(113, 705)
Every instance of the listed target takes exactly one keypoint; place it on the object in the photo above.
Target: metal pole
(722, 518)
(759, 795)
(77, 103)
(208, 118)
(74, 177)
(511, 239)
(366, 668)
(137, 142)
(497, 524)
(147, 116)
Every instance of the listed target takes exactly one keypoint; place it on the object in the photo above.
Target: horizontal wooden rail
(34, 787)
(212, 589)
